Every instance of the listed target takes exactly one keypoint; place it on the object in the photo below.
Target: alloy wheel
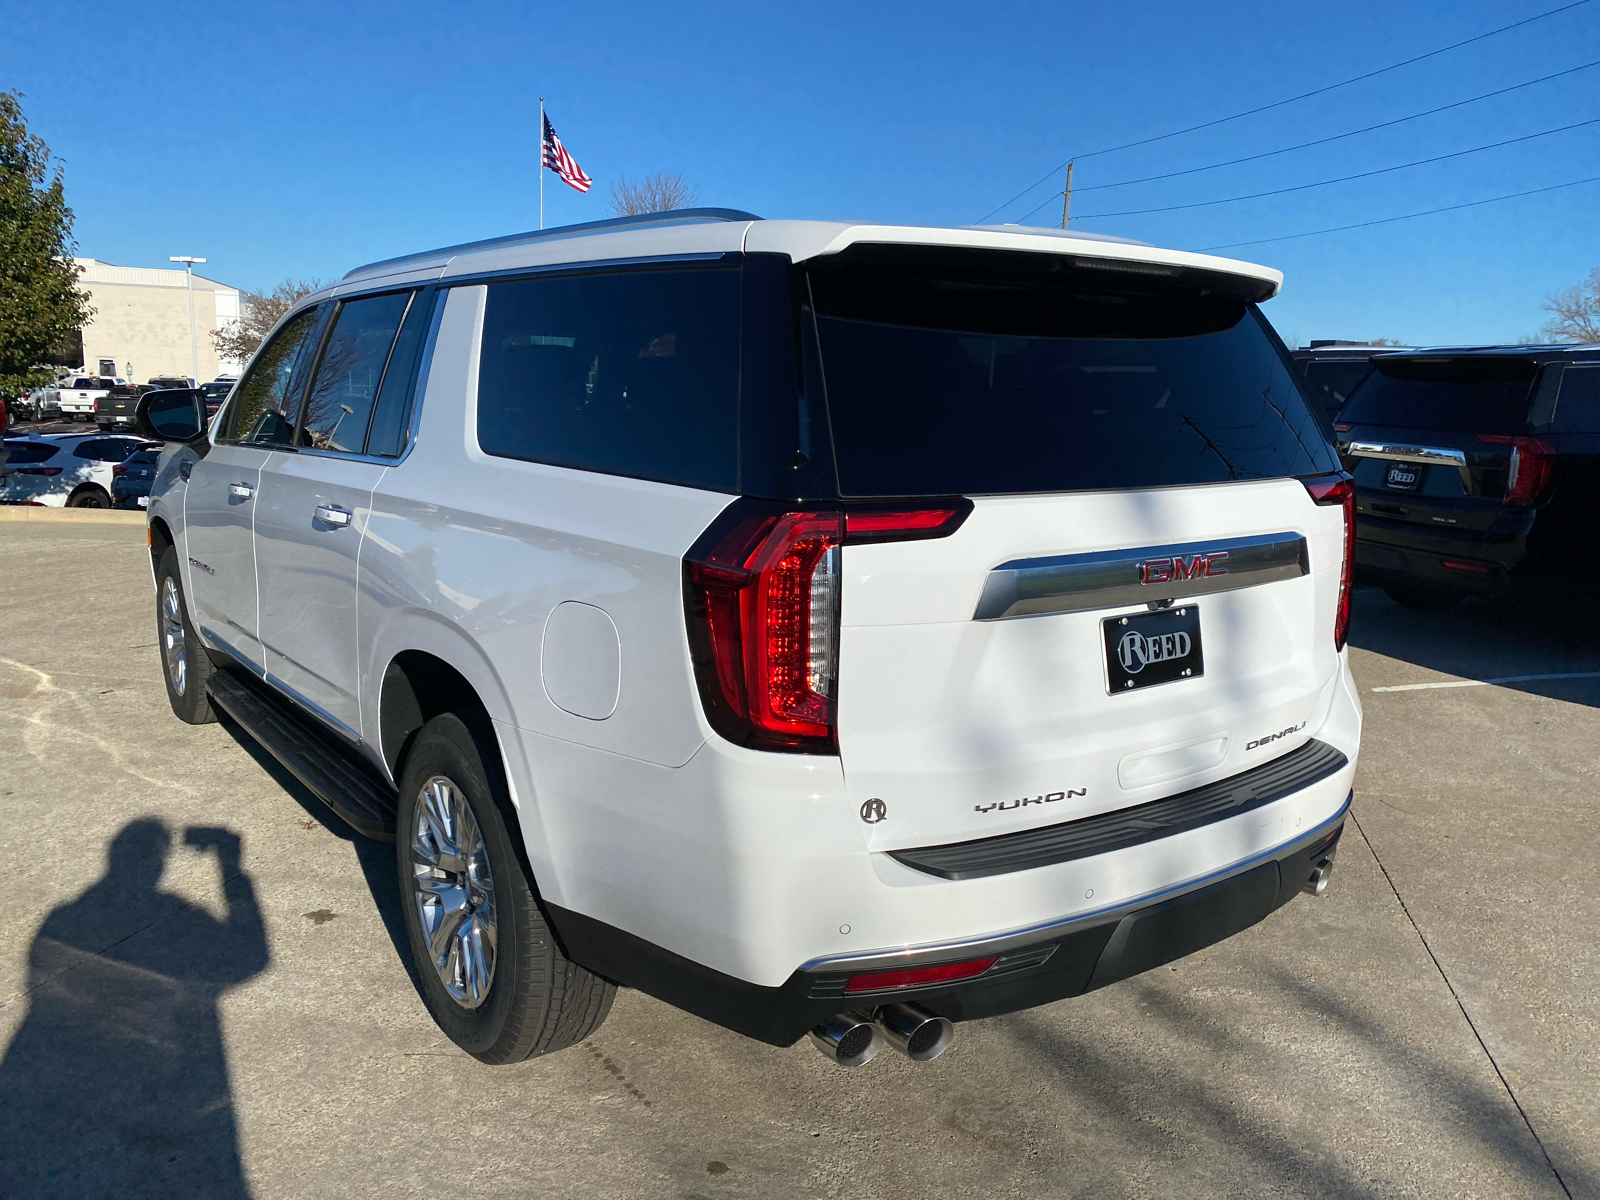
(174, 646)
(453, 890)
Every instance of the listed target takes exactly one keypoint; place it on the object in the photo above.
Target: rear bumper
(1035, 966)
(1478, 566)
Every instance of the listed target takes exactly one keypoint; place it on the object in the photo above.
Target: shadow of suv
(1475, 472)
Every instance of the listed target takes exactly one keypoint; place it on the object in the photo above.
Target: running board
(337, 777)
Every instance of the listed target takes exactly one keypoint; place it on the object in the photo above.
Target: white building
(141, 323)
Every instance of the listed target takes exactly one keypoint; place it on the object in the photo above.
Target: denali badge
(874, 810)
(1177, 568)
(1272, 737)
(1049, 798)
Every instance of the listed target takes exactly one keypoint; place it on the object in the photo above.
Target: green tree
(41, 305)
(259, 312)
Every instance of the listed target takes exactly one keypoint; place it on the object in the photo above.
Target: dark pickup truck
(115, 409)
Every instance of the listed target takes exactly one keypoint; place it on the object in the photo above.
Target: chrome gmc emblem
(1178, 568)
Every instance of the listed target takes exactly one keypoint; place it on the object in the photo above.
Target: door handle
(332, 515)
(242, 490)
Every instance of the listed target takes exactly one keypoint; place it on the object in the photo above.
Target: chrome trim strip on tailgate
(1027, 587)
(1392, 452)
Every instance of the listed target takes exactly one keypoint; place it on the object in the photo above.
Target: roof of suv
(1538, 354)
(719, 231)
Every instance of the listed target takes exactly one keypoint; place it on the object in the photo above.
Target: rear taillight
(1340, 490)
(119, 469)
(1342, 427)
(761, 597)
(1530, 469)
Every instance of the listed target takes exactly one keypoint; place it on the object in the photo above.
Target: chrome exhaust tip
(848, 1039)
(1317, 883)
(914, 1031)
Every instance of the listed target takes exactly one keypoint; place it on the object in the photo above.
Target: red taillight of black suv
(1530, 470)
(761, 597)
(1340, 490)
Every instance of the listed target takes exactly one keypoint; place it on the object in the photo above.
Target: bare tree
(657, 192)
(259, 312)
(1575, 313)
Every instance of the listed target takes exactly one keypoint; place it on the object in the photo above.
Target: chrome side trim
(1027, 587)
(999, 943)
(322, 714)
(1394, 452)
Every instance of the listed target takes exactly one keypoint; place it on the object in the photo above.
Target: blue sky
(298, 140)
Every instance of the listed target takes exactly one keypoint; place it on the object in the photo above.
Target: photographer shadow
(116, 1083)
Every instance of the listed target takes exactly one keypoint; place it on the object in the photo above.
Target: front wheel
(89, 497)
(184, 662)
(492, 974)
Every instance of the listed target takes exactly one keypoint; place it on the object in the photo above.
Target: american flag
(563, 164)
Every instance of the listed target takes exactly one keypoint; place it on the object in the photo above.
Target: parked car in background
(1476, 471)
(131, 478)
(215, 392)
(116, 409)
(78, 396)
(70, 470)
(825, 628)
(1334, 368)
(41, 403)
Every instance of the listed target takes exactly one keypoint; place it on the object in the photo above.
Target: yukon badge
(1175, 568)
(1047, 798)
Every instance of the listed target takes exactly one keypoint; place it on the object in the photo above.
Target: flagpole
(541, 162)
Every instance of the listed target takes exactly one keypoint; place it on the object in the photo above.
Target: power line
(1301, 187)
(1250, 112)
(1233, 162)
(1289, 237)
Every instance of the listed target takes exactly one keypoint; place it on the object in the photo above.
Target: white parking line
(1460, 683)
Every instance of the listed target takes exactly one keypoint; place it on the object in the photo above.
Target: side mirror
(171, 415)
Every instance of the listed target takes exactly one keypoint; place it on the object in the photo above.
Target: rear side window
(1466, 395)
(339, 407)
(23, 453)
(259, 413)
(1578, 406)
(944, 381)
(631, 373)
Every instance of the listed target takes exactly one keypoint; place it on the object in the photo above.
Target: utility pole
(188, 262)
(1066, 199)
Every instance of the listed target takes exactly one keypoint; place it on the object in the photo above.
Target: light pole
(188, 262)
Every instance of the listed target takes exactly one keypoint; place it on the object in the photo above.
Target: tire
(504, 999)
(1421, 597)
(185, 666)
(89, 497)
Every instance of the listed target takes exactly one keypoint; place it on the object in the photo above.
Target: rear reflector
(1476, 568)
(920, 977)
(1341, 490)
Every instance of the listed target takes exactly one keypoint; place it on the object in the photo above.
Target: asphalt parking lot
(190, 1015)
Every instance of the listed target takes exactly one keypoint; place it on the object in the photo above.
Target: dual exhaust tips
(853, 1039)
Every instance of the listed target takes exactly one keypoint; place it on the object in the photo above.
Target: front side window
(963, 376)
(260, 412)
(629, 373)
(339, 407)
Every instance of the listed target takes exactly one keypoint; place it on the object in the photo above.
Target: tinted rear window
(23, 453)
(944, 381)
(1467, 395)
(1578, 410)
(632, 373)
(1333, 380)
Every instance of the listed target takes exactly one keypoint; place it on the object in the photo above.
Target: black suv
(1334, 368)
(1476, 472)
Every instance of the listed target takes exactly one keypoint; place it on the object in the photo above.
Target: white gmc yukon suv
(825, 628)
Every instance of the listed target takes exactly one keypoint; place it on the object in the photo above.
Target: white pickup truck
(78, 396)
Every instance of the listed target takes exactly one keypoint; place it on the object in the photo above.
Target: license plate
(144, 501)
(1152, 647)
(1403, 477)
